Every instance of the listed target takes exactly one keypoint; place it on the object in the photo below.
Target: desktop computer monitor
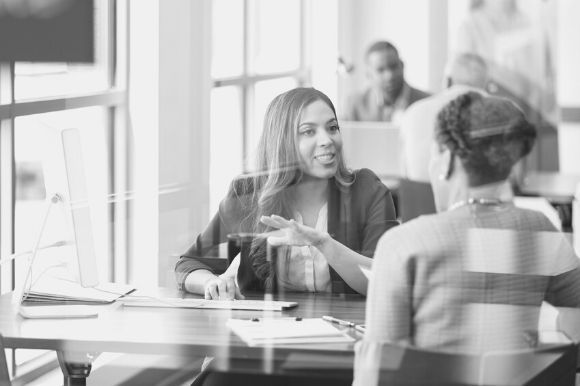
(66, 186)
(64, 176)
(372, 145)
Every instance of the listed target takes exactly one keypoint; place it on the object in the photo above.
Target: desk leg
(75, 367)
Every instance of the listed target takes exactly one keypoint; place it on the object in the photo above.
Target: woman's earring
(445, 175)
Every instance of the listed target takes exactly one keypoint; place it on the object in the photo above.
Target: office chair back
(554, 365)
(4, 375)
(414, 199)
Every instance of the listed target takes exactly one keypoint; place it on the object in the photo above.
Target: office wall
(568, 60)
(567, 52)
(322, 51)
(169, 102)
(184, 127)
(143, 136)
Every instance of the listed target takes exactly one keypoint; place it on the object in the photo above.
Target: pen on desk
(360, 328)
(340, 322)
(295, 318)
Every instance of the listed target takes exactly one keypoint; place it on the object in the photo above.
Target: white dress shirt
(304, 269)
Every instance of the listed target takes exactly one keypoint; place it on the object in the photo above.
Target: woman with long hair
(323, 219)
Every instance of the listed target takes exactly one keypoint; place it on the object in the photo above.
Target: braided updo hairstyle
(488, 134)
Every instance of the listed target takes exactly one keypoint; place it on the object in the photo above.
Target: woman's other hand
(293, 233)
(222, 288)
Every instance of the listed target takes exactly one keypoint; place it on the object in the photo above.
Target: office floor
(55, 377)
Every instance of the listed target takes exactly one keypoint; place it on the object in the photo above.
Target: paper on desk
(287, 331)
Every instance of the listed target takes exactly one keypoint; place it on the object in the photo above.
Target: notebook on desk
(256, 332)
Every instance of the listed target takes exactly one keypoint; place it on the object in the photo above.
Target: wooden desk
(179, 332)
(191, 332)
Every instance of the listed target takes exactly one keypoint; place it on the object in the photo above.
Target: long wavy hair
(279, 169)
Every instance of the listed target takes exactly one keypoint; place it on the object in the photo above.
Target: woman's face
(319, 140)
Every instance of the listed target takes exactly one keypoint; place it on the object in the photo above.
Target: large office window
(37, 101)
(258, 51)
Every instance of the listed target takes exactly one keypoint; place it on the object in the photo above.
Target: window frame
(115, 100)
(246, 81)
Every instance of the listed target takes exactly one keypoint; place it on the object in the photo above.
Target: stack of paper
(257, 332)
(50, 291)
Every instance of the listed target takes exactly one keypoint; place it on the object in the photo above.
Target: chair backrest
(414, 199)
(555, 364)
(4, 375)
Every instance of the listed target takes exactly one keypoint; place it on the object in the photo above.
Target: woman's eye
(307, 132)
(333, 128)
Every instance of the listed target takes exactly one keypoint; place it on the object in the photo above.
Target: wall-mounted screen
(47, 31)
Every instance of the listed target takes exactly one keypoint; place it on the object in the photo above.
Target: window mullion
(47, 105)
(7, 201)
(246, 89)
(6, 83)
(7, 179)
(251, 79)
(302, 79)
(112, 43)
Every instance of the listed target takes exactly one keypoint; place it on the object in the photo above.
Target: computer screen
(64, 175)
(47, 31)
(372, 145)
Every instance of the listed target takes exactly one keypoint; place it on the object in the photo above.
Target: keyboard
(256, 305)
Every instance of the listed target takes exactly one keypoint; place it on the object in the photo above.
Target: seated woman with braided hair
(472, 277)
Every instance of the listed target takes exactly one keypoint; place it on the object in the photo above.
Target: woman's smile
(325, 158)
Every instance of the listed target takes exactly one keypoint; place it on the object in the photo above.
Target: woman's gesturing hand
(222, 288)
(291, 232)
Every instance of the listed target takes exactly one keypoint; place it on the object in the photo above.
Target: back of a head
(489, 135)
(468, 69)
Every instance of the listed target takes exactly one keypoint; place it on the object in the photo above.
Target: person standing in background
(387, 94)
(521, 64)
(466, 72)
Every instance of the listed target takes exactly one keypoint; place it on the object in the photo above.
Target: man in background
(387, 95)
(466, 72)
